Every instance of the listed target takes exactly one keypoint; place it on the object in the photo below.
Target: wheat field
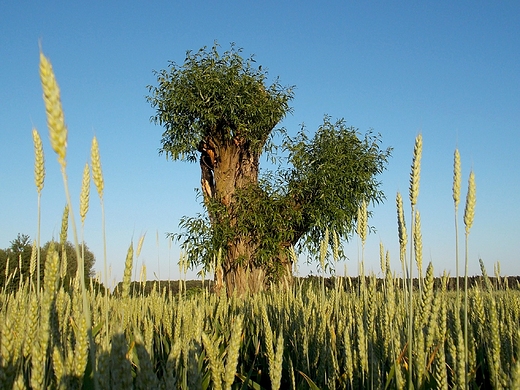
(351, 333)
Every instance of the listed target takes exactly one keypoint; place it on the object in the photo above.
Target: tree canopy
(20, 251)
(222, 98)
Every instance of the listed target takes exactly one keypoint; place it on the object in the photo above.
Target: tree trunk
(244, 280)
(225, 169)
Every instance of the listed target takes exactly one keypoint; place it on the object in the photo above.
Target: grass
(345, 333)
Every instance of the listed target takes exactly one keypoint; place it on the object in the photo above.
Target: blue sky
(448, 70)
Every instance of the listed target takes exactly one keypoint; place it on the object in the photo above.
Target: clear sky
(448, 70)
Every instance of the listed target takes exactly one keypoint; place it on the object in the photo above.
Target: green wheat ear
(127, 275)
(417, 239)
(54, 110)
(362, 222)
(403, 238)
(471, 199)
(456, 178)
(39, 161)
(416, 170)
(97, 174)
(85, 194)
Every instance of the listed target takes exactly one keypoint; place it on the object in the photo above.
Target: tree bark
(226, 168)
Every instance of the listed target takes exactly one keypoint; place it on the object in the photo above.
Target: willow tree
(217, 109)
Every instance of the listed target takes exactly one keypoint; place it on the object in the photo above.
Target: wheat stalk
(97, 175)
(469, 214)
(401, 229)
(414, 193)
(39, 178)
(456, 200)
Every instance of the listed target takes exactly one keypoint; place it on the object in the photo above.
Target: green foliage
(18, 252)
(331, 175)
(322, 186)
(72, 264)
(20, 244)
(220, 96)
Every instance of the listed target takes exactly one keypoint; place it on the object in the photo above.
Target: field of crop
(357, 333)
(305, 337)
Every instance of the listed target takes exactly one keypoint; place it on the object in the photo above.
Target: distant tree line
(15, 261)
(352, 283)
(349, 284)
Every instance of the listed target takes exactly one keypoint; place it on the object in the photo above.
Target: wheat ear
(416, 170)
(417, 238)
(456, 178)
(64, 225)
(39, 161)
(96, 167)
(84, 204)
(471, 199)
(128, 271)
(140, 245)
(54, 110)
(85, 194)
(232, 352)
(32, 264)
(63, 240)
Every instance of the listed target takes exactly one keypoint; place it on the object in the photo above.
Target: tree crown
(221, 97)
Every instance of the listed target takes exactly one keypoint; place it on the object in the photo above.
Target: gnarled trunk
(227, 168)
